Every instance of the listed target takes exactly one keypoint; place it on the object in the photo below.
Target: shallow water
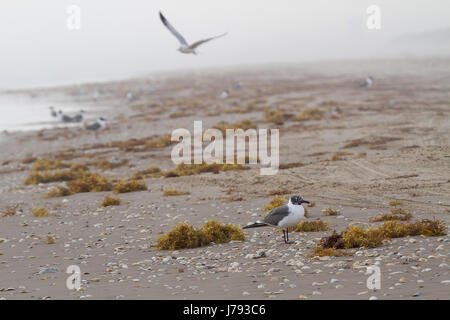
(24, 112)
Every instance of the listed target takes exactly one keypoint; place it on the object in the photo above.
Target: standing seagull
(224, 94)
(283, 217)
(79, 116)
(368, 83)
(100, 123)
(64, 117)
(184, 46)
(53, 112)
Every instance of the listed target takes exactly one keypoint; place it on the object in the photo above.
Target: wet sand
(396, 142)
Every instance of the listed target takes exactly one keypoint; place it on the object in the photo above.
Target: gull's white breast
(297, 213)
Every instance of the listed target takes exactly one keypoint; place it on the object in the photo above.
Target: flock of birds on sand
(282, 217)
(77, 118)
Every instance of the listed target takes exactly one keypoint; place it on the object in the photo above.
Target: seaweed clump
(277, 116)
(311, 226)
(356, 237)
(193, 169)
(290, 165)
(9, 211)
(151, 172)
(397, 213)
(39, 212)
(45, 164)
(172, 192)
(108, 164)
(222, 233)
(309, 114)
(129, 186)
(243, 124)
(58, 192)
(395, 203)
(160, 142)
(110, 201)
(330, 212)
(50, 240)
(28, 160)
(338, 156)
(274, 203)
(330, 246)
(424, 227)
(320, 251)
(75, 172)
(89, 183)
(184, 236)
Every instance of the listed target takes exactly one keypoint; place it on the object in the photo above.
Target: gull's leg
(287, 237)
(284, 236)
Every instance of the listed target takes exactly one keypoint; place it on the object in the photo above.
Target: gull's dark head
(298, 200)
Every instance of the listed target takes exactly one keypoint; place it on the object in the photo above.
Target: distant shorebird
(283, 217)
(131, 97)
(184, 46)
(367, 83)
(100, 123)
(53, 112)
(237, 85)
(224, 94)
(78, 117)
(64, 117)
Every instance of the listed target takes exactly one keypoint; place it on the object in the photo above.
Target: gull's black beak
(304, 201)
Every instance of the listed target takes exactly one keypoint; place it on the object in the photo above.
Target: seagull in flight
(184, 46)
(283, 217)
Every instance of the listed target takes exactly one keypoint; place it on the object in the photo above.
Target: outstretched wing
(276, 215)
(198, 43)
(172, 29)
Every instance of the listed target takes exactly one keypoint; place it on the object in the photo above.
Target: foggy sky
(126, 38)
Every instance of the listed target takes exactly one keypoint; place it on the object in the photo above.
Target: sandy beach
(368, 147)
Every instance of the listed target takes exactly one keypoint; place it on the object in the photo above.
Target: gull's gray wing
(67, 118)
(173, 30)
(94, 126)
(276, 215)
(200, 42)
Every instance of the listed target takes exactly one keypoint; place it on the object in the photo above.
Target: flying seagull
(184, 46)
(367, 83)
(100, 123)
(283, 217)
